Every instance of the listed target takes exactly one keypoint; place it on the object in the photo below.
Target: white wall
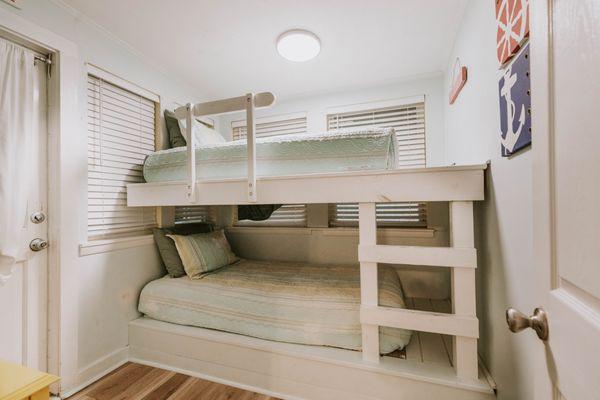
(316, 107)
(505, 275)
(108, 283)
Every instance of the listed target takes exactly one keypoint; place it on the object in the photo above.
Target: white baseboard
(96, 370)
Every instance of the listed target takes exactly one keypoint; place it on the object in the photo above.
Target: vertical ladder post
(191, 152)
(463, 288)
(369, 287)
(251, 143)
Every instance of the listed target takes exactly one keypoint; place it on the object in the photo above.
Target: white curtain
(17, 72)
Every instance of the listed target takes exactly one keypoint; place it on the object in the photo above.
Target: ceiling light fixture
(298, 45)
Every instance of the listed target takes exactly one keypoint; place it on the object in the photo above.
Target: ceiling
(227, 47)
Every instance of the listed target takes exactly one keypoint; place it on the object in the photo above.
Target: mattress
(367, 149)
(285, 302)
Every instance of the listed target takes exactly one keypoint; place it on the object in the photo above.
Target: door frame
(543, 174)
(63, 122)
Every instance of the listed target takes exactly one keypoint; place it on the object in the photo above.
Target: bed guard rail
(247, 102)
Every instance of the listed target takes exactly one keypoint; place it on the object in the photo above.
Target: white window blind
(272, 126)
(408, 122)
(191, 214)
(287, 214)
(121, 128)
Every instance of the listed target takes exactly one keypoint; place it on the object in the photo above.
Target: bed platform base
(414, 185)
(290, 371)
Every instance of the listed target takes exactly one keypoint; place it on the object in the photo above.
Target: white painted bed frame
(460, 186)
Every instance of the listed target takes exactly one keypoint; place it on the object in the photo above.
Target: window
(121, 132)
(272, 126)
(409, 124)
(190, 214)
(288, 214)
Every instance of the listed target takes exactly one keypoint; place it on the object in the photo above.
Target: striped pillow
(203, 252)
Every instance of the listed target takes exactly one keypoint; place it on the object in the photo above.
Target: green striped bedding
(366, 149)
(286, 302)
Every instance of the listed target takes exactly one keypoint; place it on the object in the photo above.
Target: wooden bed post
(463, 288)
(369, 286)
(191, 153)
(251, 143)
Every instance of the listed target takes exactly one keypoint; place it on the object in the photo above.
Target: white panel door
(23, 299)
(566, 122)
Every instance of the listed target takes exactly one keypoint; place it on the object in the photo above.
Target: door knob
(517, 321)
(38, 244)
(38, 217)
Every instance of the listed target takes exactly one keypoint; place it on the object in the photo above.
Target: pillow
(203, 252)
(168, 251)
(203, 134)
(176, 139)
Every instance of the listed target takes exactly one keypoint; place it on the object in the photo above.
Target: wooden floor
(139, 382)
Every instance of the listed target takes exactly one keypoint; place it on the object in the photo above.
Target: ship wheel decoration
(512, 17)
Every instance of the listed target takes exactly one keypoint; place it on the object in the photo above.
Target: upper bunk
(330, 178)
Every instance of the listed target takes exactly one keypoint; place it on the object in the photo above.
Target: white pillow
(203, 134)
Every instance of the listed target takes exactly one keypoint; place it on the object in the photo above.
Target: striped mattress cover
(366, 149)
(285, 302)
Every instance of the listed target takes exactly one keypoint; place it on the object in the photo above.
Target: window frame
(130, 238)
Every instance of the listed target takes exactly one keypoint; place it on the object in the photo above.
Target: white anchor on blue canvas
(515, 103)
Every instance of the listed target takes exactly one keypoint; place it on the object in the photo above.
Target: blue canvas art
(515, 105)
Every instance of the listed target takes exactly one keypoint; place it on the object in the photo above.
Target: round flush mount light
(298, 45)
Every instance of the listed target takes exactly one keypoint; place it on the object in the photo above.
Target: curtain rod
(43, 59)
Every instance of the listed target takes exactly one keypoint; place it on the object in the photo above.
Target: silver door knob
(38, 244)
(517, 321)
(38, 217)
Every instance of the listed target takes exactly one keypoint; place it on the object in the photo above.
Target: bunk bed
(302, 371)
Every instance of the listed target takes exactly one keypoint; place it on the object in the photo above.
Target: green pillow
(167, 249)
(203, 252)
(176, 139)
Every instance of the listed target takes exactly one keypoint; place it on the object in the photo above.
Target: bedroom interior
(299, 200)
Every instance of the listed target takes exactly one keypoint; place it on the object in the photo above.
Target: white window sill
(98, 246)
(385, 232)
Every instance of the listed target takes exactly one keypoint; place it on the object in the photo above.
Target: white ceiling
(227, 47)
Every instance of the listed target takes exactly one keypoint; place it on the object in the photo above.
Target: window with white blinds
(192, 214)
(408, 122)
(121, 129)
(289, 124)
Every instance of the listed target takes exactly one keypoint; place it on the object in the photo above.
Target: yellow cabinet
(21, 383)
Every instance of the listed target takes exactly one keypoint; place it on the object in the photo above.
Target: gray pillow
(167, 249)
(176, 139)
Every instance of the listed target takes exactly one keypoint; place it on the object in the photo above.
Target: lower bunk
(295, 371)
(292, 330)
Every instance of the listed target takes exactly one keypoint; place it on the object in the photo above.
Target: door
(24, 294)
(565, 74)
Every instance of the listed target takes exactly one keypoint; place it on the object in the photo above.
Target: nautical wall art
(512, 18)
(515, 104)
(459, 78)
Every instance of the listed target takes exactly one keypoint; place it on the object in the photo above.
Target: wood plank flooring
(140, 382)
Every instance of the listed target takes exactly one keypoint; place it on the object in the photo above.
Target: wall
(504, 221)
(108, 283)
